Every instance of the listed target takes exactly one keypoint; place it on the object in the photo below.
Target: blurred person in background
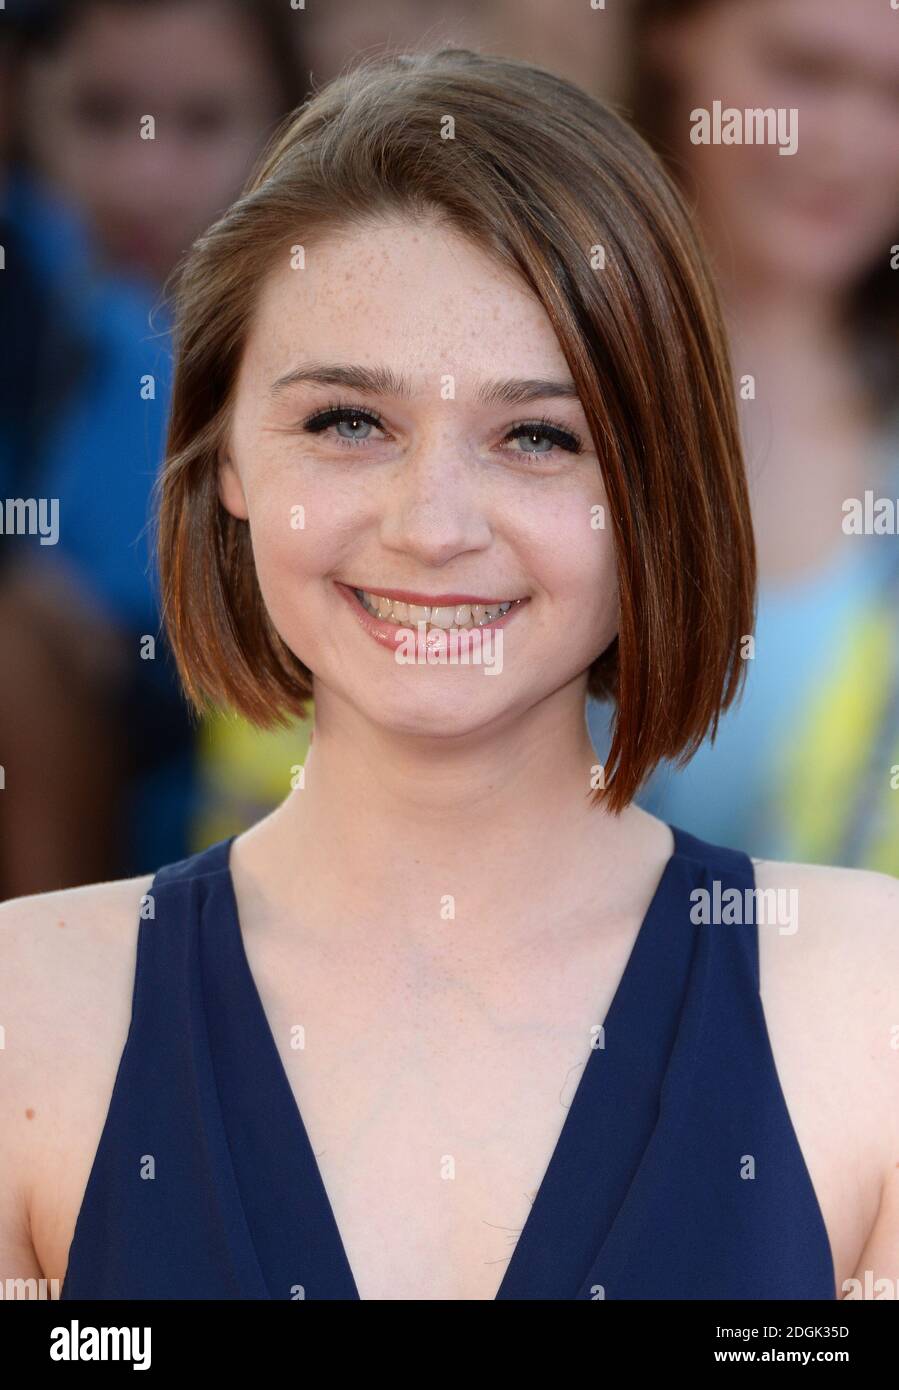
(39, 234)
(806, 767)
(90, 715)
(567, 37)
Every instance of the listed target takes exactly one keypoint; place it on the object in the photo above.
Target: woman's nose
(436, 506)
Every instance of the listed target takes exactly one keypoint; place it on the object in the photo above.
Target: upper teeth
(410, 614)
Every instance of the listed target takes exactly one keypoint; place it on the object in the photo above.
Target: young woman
(452, 444)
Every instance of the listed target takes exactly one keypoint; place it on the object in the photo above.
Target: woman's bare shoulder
(52, 942)
(830, 990)
(67, 961)
(60, 953)
(829, 961)
(849, 916)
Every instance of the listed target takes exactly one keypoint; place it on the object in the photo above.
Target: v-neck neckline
(620, 999)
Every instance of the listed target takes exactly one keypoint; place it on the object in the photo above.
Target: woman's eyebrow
(382, 381)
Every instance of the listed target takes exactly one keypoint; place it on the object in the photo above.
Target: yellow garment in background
(244, 772)
(840, 787)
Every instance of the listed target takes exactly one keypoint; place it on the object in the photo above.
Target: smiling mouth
(444, 616)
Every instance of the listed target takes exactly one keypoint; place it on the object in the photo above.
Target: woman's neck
(490, 818)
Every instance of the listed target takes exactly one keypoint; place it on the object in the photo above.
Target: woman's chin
(437, 715)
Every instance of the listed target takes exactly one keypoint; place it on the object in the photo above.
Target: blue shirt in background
(742, 791)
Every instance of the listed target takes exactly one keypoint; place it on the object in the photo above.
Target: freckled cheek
(296, 547)
(289, 555)
(600, 614)
(568, 545)
(584, 581)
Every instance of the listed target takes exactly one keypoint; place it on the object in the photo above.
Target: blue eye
(533, 431)
(337, 415)
(353, 426)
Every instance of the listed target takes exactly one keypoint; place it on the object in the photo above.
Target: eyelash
(336, 413)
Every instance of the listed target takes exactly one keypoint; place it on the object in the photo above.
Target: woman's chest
(436, 1128)
(431, 1143)
(436, 1119)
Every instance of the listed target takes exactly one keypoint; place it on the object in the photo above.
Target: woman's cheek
(291, 558)
(590, 580)
(602, 625)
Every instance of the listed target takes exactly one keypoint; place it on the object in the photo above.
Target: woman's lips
(390, 635)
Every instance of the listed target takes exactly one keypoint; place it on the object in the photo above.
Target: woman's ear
(230, 488)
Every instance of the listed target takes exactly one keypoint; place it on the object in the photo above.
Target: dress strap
(724, 893)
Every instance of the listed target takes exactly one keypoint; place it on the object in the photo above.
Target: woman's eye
(541, 437)
(352, 426)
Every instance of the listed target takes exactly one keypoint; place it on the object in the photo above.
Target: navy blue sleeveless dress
(677, 1174)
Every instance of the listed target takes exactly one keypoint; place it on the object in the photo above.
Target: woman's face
(197, 68)
(824, 214)
(423, 487)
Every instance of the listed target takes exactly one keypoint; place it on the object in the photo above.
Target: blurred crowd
(126, 126)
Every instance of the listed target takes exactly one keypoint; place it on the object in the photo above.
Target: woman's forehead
(422, 302)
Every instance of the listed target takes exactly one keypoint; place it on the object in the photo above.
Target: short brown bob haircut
(555, 185)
